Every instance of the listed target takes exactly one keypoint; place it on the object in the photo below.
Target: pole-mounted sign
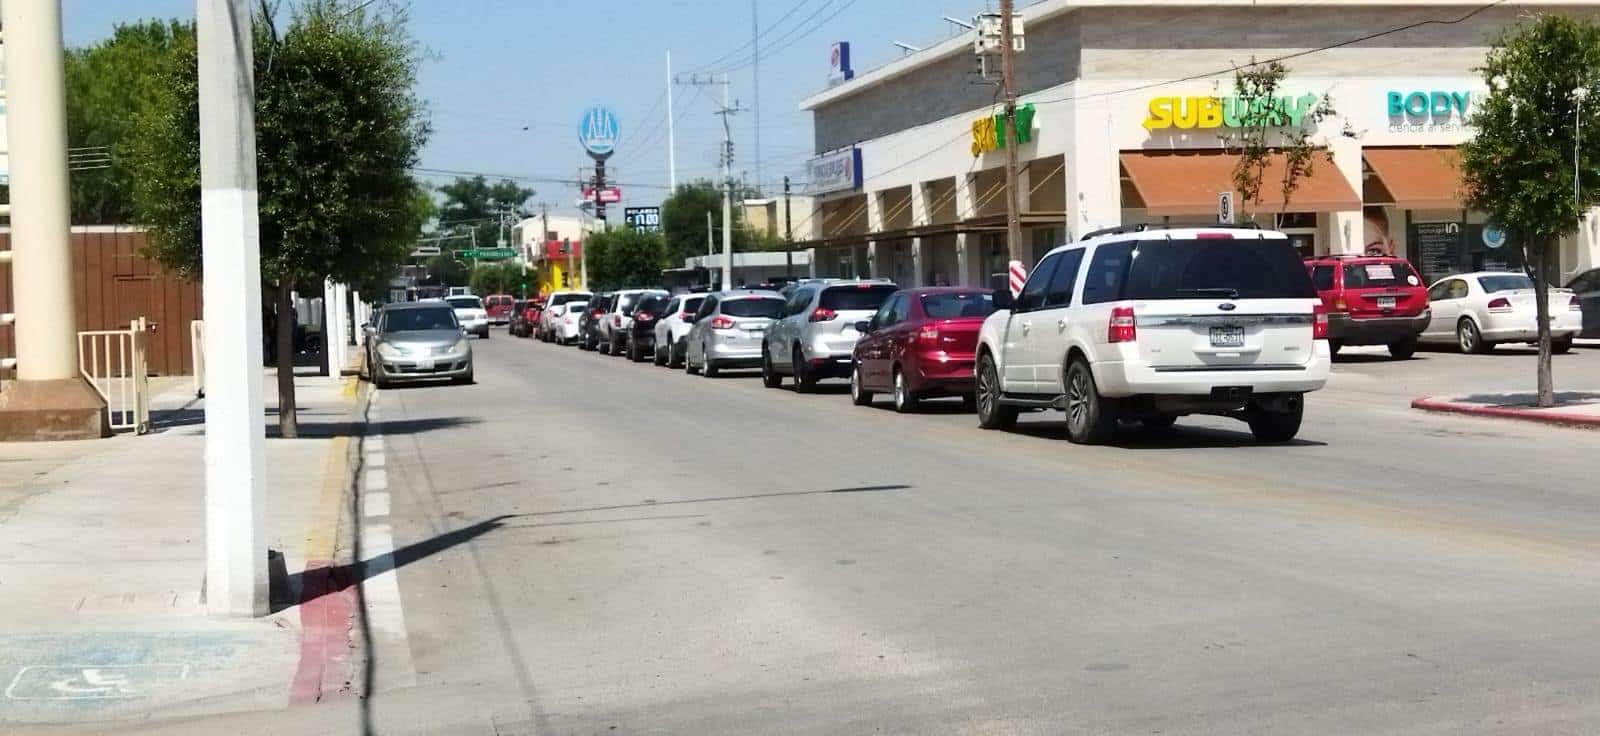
(1225, 207)
(598, 131)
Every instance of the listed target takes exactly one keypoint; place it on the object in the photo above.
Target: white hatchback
(1477, 310)
(1150, 324)
(559, 320)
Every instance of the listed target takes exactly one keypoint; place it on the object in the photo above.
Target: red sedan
(920, 344)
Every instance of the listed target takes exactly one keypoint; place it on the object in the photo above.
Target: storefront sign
(839, 70)
(598, 131)
(1428, 112)
(643, 219)
(1493, 237)
(1207, 113)
(989, 134)
(835, 172)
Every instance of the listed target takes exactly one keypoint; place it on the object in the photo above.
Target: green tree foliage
(110, 86)
(1272, 125)
(683, 218)
(1521, 166)
(498, 278)
(475, 205)
(623, 258)
(338, 125)
(445, 270)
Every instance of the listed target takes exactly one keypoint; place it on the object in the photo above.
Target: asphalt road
(593, 546)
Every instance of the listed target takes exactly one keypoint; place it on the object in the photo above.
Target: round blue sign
(597, 131)
(1493, 237)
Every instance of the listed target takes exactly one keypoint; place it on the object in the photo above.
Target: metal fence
(114, 362)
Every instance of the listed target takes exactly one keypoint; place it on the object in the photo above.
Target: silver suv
(817, 334)
(728, 328)
(613, 326)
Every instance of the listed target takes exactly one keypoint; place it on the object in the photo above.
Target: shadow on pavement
(325, 430)
(1529, 398)
(1344, 358)
(1177, 437)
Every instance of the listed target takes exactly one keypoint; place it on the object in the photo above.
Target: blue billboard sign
(598, 130)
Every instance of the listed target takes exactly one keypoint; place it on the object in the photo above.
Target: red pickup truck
(499, 308)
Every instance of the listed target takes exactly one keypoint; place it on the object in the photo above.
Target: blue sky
(496, 67)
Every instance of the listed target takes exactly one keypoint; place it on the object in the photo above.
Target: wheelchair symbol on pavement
(108, 682)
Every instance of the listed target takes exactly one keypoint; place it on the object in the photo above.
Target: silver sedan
(417, 341)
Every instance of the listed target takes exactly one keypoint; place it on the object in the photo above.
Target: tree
(110, 86)
(505, 277)
(623, 258)
(683, 218)
(1270, 126)
(476, 206)
(445, 270)
(338, 126)
(1524, 166)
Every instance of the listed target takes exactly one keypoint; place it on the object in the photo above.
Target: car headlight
(389, 351)
(461, 346)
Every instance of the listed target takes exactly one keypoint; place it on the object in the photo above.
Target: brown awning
(1415, 178)
(1187, 183)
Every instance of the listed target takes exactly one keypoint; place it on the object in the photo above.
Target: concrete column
(811, 263)
(921, 214)
(236, 547)
(1092, 177)
(50, 400)
(875, 255)
(966, 243)
(1348, 228)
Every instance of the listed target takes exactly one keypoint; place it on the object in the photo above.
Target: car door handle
(1061, 324)
(1026, 326)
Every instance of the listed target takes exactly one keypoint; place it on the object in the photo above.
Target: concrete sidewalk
(1573, 408)
(103, 564)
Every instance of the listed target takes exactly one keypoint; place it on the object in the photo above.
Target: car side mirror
(863, 327)
(1003, 300)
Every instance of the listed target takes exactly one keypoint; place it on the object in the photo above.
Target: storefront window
(1439, 249)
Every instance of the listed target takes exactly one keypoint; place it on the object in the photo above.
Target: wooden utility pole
(788, 233)
(1008, 85)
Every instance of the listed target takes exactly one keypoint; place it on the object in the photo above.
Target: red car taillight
(928, 335)
(1573, 305)
(1319, 322)
(1121, 327)
(822, 314)
(1499, 304)
(596, 313)
(643, 317)
(721, 322)
(1339, 305)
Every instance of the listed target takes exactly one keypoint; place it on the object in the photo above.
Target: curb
(1545, 416)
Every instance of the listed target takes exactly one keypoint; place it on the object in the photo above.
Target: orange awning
(1415, 178)
(1187, 183)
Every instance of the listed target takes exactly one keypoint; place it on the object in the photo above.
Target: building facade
(1128, 111)
(552, 248)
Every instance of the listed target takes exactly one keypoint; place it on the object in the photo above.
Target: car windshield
(465, 302)
(1505, 282)
(1379, 275)
(416, 320)
(1202, 268)
(950, 305)
(754, 306)
(859, 297)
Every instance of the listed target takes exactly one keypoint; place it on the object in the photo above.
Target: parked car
(728, 330)
(1476, 311)
(559, 320)
(1150, 324)
(499, 307)
(589, 320)
(1371, 300)
(524, 314)
(1586, 287)
(613, 332)
(641, 332)
(412, 341)
(920, 344)
(471, 314)
(817, 335)
(672, 329)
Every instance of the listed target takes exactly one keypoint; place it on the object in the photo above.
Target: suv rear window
(1197, 269)
(1379, 275)
(950, 305)
(560, 299)
(863, 297)
(465, 302)
(753, 307)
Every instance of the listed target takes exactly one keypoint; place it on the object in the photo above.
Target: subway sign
(989, 133)
(1210, 113)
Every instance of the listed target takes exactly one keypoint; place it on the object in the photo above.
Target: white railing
(113, 361)
(197, 351)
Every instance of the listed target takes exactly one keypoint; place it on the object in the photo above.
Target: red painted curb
(327, 604)
(1566, 419)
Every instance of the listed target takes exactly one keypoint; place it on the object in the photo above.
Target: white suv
(559, 320)
(1152, 324)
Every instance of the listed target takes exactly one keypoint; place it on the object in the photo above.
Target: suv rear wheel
(769, 373)
(991, 413)
(1276, 427)
(1560, 345)
(804, 380)
(1090, 417)
(1404, 349)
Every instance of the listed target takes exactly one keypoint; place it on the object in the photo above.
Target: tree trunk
(1541, 295)
(288, 421)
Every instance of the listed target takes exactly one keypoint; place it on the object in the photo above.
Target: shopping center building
(1131, 106)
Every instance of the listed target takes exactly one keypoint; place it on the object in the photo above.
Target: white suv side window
(1032, 295)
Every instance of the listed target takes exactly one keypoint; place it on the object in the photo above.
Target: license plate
(425, 364)
(755, 328)
(1227, 337)
(1386, 302)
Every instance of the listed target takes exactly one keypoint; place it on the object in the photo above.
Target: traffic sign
(487, 253)
(598, 131)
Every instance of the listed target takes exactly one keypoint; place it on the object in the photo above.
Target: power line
(790, 38)
(427, 171)
(753, 41)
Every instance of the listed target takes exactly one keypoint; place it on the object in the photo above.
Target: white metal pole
(41, 226)
(727, 200)
(755, 90)
(236, 552)
(672, 137)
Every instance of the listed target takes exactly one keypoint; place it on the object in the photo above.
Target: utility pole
(672, 137)
(788, 232)
(755, 73)
(1009, 86)
(727, 168)
(236, 548)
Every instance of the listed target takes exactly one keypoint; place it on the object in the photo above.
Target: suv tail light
(597, 313)
(1121, 327)
(616, 320)
(1319, 322)
(643, 317)
(1573, 305)
(723, 322)
(1339, 305)
(1499, 304)
(928, 335)
(822, 314)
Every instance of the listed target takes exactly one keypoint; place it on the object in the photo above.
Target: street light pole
(236, 553)
(1009, 86)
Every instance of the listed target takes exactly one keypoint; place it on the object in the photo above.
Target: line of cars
(1133, 325)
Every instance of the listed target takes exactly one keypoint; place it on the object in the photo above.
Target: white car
(672, 329)
(613, 326)
(1150, 324)
(559, 320)
(1477, 310)
(471, 314)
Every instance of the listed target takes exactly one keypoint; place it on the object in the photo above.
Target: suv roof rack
(1144, 227)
